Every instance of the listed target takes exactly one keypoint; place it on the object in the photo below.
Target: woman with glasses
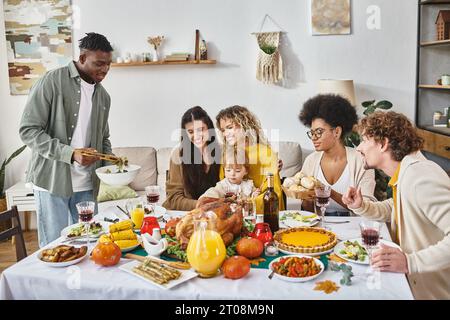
(331, 118)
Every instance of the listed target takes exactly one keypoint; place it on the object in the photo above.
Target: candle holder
(270, 249)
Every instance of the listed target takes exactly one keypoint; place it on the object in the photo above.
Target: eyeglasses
(316, 133)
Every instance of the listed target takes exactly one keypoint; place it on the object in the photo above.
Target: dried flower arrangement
(155, 41)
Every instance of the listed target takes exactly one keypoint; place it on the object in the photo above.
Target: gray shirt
(48, 123)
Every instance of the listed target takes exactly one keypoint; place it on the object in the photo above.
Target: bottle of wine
(271, 208)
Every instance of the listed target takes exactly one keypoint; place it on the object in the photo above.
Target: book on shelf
(177, 57)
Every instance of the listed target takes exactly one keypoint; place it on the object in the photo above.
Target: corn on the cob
(104, 238)
(121, 226)
(126, 243)
(123, 235)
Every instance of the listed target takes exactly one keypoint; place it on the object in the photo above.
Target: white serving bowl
(118, 179)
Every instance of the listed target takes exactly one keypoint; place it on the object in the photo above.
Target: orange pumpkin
(106, 254)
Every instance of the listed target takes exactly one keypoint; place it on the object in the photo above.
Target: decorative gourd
(106, 254)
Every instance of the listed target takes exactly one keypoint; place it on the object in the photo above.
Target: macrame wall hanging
(269, 65)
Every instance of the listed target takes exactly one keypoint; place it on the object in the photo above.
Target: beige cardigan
(178, 198)
(359, 177)
(423, 199)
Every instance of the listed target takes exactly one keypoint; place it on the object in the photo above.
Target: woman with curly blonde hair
(242, 130)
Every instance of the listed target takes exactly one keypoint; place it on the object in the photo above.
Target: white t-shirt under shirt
(81, 175)
(81, 138)
(341, 186)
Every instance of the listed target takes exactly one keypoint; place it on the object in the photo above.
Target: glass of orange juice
(136, 209)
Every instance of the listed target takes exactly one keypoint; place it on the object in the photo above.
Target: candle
(271, 249)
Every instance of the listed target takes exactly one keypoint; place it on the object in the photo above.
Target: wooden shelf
(435, 43)
(434, 86)
(441, 130)
(158, 63)
(426, 2)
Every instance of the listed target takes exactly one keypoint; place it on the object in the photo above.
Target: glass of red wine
(153, 193)
(370, 234)
(231, 191)
(322, 201)
(86, 210)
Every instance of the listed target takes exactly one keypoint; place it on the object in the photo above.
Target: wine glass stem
(322, 210)
(88, 228)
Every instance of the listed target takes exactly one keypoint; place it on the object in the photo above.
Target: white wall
(147, 102)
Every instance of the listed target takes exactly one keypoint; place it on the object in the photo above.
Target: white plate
(292, 279)
(292, 223)
(124, 250)
(340, 246)
(105, 227)
(185, 275)
(315, 254)
(158, 213)
(61, 264)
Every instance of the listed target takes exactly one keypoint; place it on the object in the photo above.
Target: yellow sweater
(262, 161)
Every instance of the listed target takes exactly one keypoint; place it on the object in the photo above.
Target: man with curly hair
(419, 211)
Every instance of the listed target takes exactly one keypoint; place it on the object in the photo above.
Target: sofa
(155, 165)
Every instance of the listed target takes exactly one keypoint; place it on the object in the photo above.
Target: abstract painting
(330, 17)
(38, 39)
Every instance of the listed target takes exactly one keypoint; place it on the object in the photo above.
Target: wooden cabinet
(436, 143)
(433, 60)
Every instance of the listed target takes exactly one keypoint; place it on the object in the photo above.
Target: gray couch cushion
(291, 154)
(163, 162)
(144, 157)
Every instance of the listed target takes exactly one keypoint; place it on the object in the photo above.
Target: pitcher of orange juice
(136, 209)
(206, 250)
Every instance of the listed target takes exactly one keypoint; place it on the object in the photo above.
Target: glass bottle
(206, 250)
(271, 205)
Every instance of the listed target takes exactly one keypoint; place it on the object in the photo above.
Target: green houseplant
(382, 190)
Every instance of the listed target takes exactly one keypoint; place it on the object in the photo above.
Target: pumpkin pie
(305, 240)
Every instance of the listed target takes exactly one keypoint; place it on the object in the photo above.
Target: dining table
(30, 278)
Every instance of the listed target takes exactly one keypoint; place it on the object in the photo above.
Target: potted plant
(382, 189)
(6, 225)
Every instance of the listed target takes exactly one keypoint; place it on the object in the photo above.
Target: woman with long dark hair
(195, 165)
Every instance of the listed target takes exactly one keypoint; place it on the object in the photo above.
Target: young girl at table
(194, 166)
(242, 130)
(236, 182)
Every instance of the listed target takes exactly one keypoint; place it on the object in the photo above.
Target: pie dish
(305, 240)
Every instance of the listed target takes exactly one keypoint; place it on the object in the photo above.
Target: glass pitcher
(206, 250)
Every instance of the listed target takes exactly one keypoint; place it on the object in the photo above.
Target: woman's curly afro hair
(333, 109)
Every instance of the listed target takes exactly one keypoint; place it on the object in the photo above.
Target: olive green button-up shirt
(48, 123)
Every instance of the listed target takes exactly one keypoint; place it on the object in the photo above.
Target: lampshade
(341, 87)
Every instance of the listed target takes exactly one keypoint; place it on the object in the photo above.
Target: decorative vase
(156, 55)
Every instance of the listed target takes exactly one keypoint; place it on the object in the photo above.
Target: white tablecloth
(31, 279)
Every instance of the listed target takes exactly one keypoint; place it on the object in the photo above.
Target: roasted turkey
(228, 222)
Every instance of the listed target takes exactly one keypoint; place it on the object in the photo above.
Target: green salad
(353, 250)
(79, 230)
